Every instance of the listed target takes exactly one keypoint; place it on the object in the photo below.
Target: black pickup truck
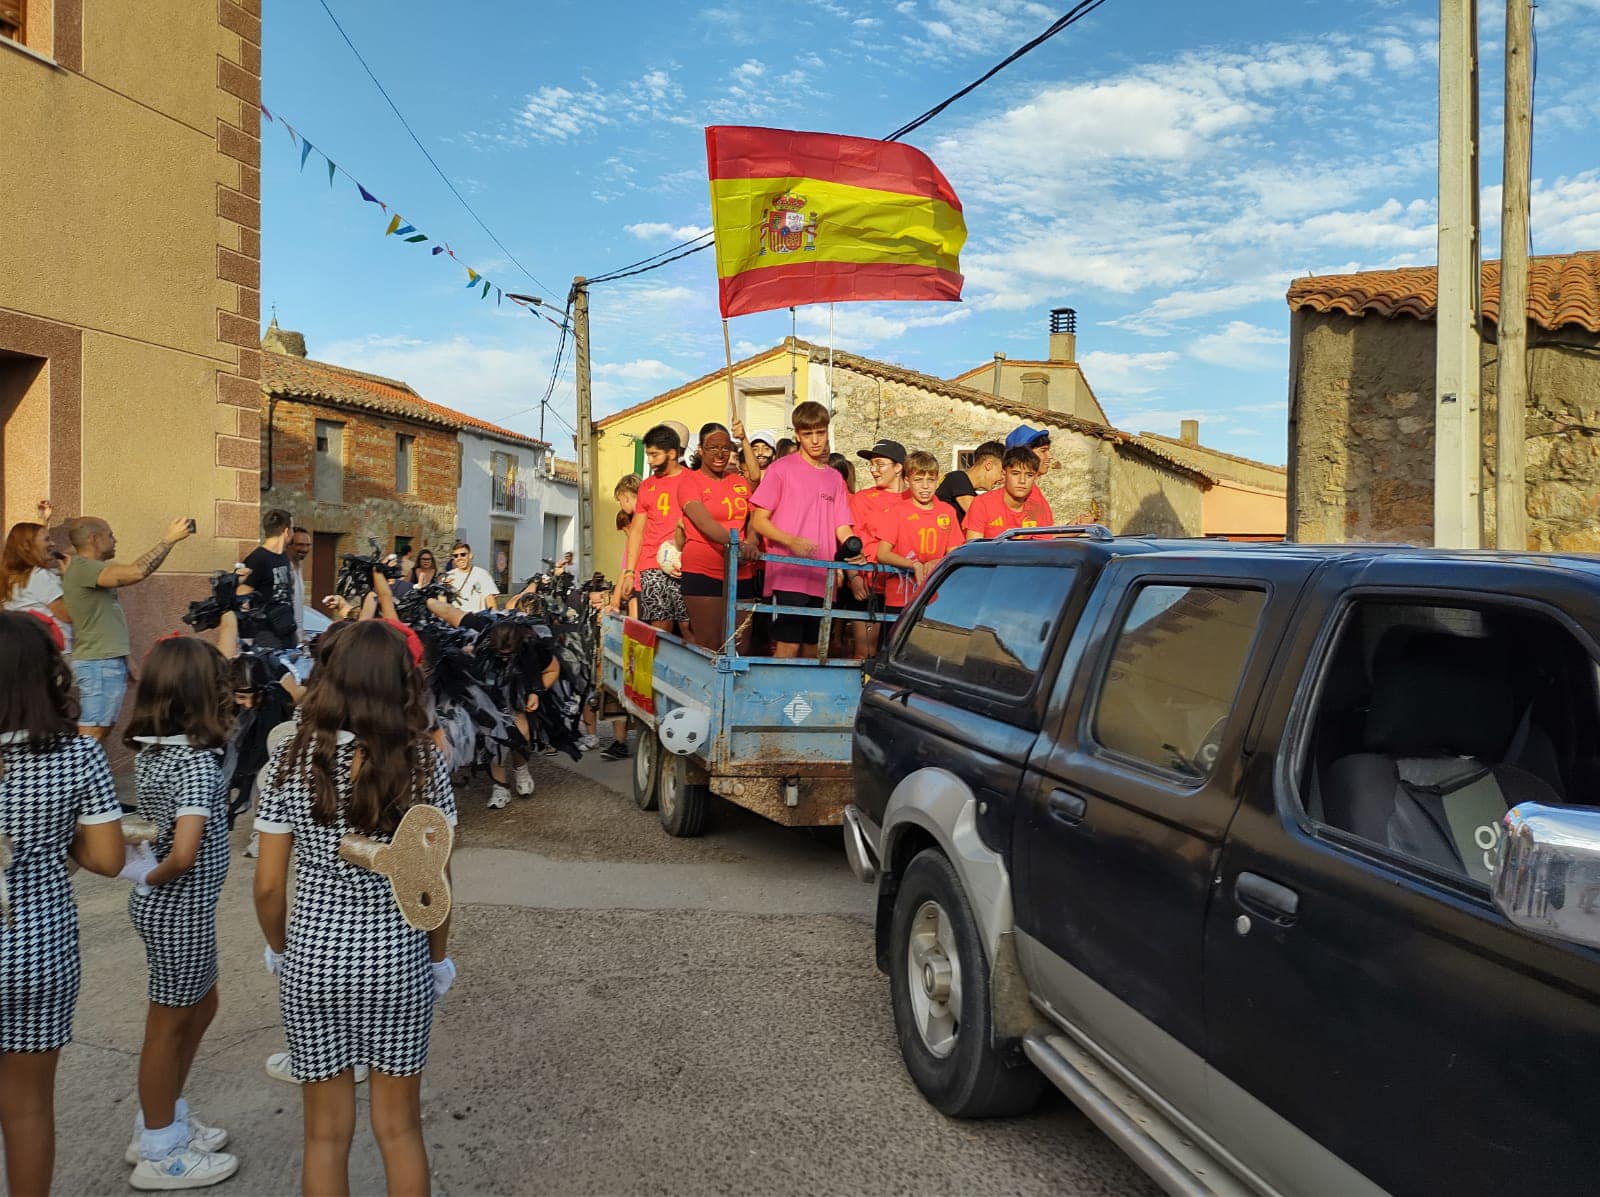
(1275, 859)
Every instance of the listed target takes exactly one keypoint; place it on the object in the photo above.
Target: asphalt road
(634, 1014)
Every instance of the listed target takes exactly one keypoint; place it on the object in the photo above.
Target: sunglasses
(458, 556)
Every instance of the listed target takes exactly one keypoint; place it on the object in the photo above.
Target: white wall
(475, 502)
(558, 500)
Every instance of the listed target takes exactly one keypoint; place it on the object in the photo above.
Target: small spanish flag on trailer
(817, 218)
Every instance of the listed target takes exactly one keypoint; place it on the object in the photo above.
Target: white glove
(444, 976)
(138, 862)
(274, 960)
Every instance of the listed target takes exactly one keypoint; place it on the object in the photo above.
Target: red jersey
(872, 516)
(991, 515)
(923, 535)
(728, 500)
(658, 499)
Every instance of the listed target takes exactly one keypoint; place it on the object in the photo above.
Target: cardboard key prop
(6, 918)
(136, 831)
(414, 862)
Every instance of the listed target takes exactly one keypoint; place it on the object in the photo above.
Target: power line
(618, 272)
(407, 124)
(1071, 17)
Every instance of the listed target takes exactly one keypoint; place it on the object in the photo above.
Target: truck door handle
(1067, 808)
(1278, 904)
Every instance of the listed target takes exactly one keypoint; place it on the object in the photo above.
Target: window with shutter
(12, 14)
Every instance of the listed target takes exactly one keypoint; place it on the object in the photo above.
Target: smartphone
(191, 527)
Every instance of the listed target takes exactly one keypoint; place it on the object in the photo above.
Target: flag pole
(830, 357)
(727, 353)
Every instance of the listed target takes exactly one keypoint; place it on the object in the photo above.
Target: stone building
(129, 300)
(1056, 383)
(1102, 474)
(1248, 499)
(355, 457)
(1361, 395)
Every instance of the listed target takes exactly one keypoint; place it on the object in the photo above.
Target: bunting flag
(818, 218)
(264, 111)
(398, 226)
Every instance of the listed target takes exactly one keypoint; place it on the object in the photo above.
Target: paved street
(635, 1014)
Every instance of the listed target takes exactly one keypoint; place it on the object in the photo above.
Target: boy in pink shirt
(802, 508)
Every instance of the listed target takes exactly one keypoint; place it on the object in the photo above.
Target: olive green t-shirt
(100, 629)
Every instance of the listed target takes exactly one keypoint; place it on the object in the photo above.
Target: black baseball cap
(893, 450)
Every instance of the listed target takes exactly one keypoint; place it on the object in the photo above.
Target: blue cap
(1023, 437)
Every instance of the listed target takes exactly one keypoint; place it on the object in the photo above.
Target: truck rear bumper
(860, 846)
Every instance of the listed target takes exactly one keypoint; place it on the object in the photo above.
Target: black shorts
(796, 629)
(706, 586)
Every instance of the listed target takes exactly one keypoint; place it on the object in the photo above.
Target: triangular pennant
(418, 237)
(405, 230)
(264, 111)
(293, 136)
(370, 198)
(472, 276)
(331, 169)
(497, 297)
(394, 223)
(305, 151)
(485, 292)
(437, 249)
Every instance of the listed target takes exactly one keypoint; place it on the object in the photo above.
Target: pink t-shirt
(803, 500)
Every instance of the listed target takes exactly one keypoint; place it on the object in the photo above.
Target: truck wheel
(939, 982)
(646, 766)
(683, 805)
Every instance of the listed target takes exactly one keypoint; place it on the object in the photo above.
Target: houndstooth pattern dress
(178, 920)
(356, 985)
(43, 797)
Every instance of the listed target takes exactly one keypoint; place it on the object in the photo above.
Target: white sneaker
(500, 798)
(202, 1138)
(524, 782)
(589, 743)
(278, 1070)
(254, 846)
(185, 1168)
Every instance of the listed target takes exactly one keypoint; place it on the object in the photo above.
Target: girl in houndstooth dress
(357, 984)
(56, 800)
(183, 713)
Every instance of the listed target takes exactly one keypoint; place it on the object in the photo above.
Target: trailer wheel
(684, 805)
(646, 766)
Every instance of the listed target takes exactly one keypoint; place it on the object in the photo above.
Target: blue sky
(1165, 167)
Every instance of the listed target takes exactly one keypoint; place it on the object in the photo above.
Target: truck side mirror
(1547, 871)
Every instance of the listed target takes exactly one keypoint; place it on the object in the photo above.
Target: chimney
(999, 360)
(1063, 335)
(1189, 432)
(1036, 390)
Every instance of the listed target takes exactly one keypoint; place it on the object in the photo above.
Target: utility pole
(586, 462)
(1457, 452)
(1510, 491)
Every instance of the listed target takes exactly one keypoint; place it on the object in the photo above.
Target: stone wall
(1361, 433)
(1091, 478)
(1144, 499)
(370, 508)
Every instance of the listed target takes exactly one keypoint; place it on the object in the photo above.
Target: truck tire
(646, 766)
(684, 805)
(939, 984)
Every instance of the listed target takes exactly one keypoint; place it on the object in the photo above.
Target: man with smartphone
(89, 587)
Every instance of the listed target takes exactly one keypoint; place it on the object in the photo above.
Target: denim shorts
(101, 685)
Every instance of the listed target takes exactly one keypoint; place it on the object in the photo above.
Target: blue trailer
(770, 734)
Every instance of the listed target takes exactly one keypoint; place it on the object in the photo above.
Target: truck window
(1179, 654)
(1432, 720)
(987, 627)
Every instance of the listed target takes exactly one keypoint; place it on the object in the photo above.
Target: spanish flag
(815, 218)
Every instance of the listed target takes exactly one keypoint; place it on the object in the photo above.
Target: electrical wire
(383, 91)
(1069, 18)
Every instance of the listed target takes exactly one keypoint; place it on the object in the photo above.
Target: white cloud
(861, 327)
(661, 231)
(1243, 346)
(568, 114)
(1117, 376)
(979, 26)
(644, 369)
(500, 383)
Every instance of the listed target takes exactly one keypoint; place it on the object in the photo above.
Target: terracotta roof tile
(566, 471)
(285, 374)
(1563, 290)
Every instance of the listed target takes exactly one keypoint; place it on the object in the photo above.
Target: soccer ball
(668, 557)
